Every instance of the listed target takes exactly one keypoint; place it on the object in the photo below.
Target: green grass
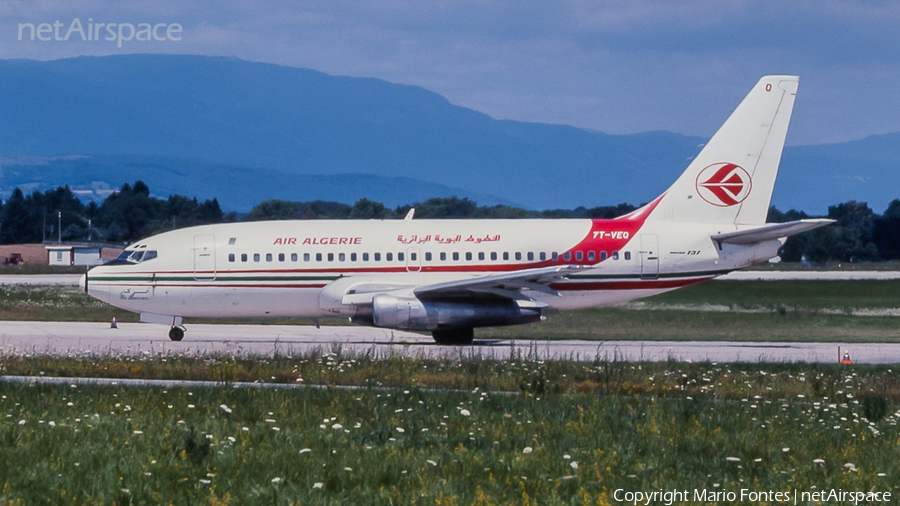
(116, 445)
(789, 294)
(797, 311)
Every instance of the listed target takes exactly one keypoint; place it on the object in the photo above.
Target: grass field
(837, 311)
(470, 430)
(566, 433)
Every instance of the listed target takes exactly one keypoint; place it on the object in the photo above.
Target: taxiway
(135, 339)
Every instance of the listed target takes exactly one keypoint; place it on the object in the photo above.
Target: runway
(80, 339)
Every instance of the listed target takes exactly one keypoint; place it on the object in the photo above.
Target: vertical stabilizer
(732, 179)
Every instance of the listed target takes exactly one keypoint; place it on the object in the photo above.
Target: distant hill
(237, 188)
(260, 123)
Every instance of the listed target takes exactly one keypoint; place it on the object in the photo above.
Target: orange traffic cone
(112, 324)
(846, 359)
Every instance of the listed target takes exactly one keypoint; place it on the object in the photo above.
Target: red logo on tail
(723, 184)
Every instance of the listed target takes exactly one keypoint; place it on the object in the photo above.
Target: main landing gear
(176, 333)
(454, 336)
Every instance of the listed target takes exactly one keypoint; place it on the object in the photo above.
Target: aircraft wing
(770, 232)
(507, 285)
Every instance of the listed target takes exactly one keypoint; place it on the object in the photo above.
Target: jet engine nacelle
(413, 314)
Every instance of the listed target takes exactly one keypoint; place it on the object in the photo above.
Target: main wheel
(454, 336)
(176, 333)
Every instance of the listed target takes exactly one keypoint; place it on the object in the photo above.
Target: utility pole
(60, 227)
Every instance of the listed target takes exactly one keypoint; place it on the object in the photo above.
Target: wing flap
(770, 232)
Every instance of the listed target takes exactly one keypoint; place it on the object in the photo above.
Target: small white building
(73, 254)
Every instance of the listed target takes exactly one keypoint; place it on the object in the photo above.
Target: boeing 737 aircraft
(450, 276)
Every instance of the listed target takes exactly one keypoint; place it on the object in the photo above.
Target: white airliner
(449, 276)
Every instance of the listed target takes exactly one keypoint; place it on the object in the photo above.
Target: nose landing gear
(177, 333)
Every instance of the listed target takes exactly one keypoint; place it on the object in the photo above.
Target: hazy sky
(617, 66)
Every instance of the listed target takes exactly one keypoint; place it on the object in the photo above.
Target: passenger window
(443, 256)
(352, 257)
(231, 257)
(377, 257)
(506, 255)
(543, 255)
(554, 256)
(627, 255)
(455, 256)
(427, 256)
(481, 255)
(494, 255)
(530, 256)
(603, 255)
(590, 256)
(389, 256)
(579, 256)
(281, 257)
(412, 257)
(399, 257)
(243, 257)
(518, 255)
(331, 257)
(293, 257)
(341, 257)
(365, 257)
(318, 257)
(256, 257)
(615, 255)
(567, 255)
(306, 257)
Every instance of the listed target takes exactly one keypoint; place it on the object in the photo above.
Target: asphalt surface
(80, 339)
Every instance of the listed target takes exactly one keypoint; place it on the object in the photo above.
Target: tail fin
(732, 178)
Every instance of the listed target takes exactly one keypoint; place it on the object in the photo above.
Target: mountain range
(245, 132)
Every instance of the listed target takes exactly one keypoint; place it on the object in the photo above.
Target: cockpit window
(135, 257)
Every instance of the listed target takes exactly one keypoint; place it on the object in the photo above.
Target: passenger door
(649, 256)
(204, 257)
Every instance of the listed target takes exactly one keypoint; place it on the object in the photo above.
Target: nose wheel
(176, 333)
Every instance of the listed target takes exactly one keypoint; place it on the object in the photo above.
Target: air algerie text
(319, 241)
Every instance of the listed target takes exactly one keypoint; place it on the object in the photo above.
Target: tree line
(132, 213)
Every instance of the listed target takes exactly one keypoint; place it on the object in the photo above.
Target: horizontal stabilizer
(770, 232)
